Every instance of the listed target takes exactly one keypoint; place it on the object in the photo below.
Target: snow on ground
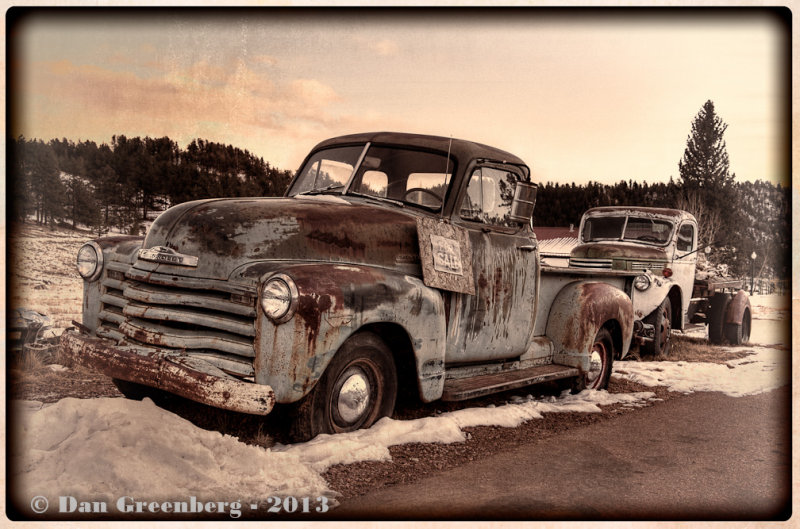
(42, 273)
(102, 449)
(763, 371)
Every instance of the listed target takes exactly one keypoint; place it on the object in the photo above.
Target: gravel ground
(414, 461)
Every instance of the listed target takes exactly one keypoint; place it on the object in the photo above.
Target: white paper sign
(446, 255)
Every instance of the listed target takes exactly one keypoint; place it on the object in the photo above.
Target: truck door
(683, 269)
(496, 322)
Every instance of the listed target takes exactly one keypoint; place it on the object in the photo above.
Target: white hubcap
(354, 396)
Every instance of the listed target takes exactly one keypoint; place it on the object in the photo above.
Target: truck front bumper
(183, 375)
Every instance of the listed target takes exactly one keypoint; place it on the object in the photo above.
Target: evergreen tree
(705, 177)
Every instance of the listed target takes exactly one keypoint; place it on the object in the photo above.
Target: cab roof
(462, 150)
(641, 211)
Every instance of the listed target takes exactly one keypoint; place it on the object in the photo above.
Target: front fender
(334, 301)
(644, 303)
(578, 312)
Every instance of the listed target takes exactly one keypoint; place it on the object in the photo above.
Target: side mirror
(523, 203)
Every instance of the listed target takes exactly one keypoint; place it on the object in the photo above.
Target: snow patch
(766, 369)
(373, 444)
(102, 449)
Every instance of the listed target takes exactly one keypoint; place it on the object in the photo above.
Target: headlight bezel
(98, 266)
(642, 282)
(291, 298)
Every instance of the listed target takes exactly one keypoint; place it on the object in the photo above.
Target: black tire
(661, 319)
(602, 363)
(716, 317)
(134, 391)
(739, 333)
(364, 364)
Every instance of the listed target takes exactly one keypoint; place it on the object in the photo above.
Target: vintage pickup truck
(395, 263)
(661, 244)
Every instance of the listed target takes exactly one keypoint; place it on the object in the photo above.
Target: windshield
(417, 178)
(635, 229)
(327, 169)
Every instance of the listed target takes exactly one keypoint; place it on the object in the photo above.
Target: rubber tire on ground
(661, 319)
(716, 317)
(134, 391)
(317, 412)
(739, 333)
(604, 344)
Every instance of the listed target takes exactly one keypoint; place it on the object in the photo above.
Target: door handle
(527, 248)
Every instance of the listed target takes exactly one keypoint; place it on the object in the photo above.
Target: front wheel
(358, 388)
(661, 319)
(600, 363)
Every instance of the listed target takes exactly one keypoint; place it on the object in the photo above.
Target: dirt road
(701, 456)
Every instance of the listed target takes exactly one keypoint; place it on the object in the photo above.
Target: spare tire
(716, 317)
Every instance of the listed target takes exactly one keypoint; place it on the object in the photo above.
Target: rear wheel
(661, 319)
(600, 364)
(739, 333)
(358, 388)
(716, 317)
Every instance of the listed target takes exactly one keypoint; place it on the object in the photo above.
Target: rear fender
(737, 307)
(578, 312)
(334, 302)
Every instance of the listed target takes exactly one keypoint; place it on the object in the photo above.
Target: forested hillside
(757, 218)
(119, 186)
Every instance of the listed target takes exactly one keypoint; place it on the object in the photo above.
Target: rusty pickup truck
(395, 264)
(661, 245)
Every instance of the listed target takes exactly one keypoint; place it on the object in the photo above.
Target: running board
(469, 388)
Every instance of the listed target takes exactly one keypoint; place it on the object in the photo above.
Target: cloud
(68, 99)
(267, 60)
(385, 47)
(381, 47)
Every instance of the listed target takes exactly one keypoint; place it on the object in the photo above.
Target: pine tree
(706, 180)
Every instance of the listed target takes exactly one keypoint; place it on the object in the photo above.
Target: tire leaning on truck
(739, 333)
(716, 317)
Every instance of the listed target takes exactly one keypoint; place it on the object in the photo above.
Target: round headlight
(641, 282)
(278, 298)
(90, 261)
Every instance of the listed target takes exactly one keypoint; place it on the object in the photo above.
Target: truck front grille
(150, 310)
(590, 263)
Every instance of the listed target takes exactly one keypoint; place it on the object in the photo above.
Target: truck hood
(226, 234)
(617, 250)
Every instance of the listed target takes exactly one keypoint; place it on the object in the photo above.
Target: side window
(685, 238)
(489, 195)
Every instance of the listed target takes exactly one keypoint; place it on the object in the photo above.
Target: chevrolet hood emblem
(162, 254)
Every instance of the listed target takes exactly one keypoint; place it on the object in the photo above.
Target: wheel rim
(353, 396)
(596, 365)
(666, 329)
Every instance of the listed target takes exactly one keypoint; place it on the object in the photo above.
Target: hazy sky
(580, 95)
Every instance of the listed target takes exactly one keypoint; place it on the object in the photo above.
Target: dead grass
(689, 349)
